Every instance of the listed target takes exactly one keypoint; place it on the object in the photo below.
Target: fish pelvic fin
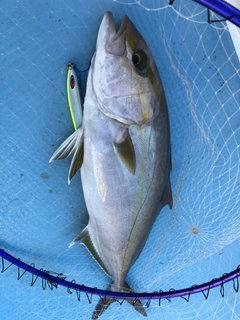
(72, 146)
(85, 238)
(125, 151)
(105, 302)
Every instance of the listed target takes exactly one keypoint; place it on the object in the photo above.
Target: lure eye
(72, 82)
(139, 59)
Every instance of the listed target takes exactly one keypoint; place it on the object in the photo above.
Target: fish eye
(139, 59)
(135, 59)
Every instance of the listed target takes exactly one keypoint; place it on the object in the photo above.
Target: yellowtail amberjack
(123, 149)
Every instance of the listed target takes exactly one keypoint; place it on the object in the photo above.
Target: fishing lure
(75, 101)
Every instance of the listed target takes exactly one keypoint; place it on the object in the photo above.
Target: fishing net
(40, 214)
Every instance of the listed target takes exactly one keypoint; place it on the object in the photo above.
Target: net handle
(60, 280)
(223, 8)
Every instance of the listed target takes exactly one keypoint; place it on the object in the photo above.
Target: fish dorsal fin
(167, 194)
(85, 238)
(125, 151)
(73, 145)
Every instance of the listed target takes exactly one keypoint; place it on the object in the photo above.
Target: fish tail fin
(105, 302)
(72, 146)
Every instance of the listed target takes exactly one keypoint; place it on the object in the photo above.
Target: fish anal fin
(80, 237)
(125, 151)
(167, 194)
(105, 302)
(85, 238)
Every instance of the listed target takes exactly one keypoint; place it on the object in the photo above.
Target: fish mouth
(110, 39)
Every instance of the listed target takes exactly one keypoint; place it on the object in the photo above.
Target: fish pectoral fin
(167, 195)
(85, 238)
(73, 145)
(76, 162)
(125, 151)
(105, 302)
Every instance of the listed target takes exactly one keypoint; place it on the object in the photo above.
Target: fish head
(124, 75)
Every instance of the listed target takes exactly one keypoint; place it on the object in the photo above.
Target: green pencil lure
(74, 96)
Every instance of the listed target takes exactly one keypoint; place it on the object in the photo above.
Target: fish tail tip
(101, 307)
(95, 315)
(103, 304)
(53, 158)
(72, 243)
(144, 313)
(138, 307)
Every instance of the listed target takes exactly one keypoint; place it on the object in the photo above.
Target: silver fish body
(123, 149)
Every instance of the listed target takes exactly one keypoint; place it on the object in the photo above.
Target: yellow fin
(125, 152)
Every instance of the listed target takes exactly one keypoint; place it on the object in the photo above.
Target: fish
(75, 101)
(124, 151)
